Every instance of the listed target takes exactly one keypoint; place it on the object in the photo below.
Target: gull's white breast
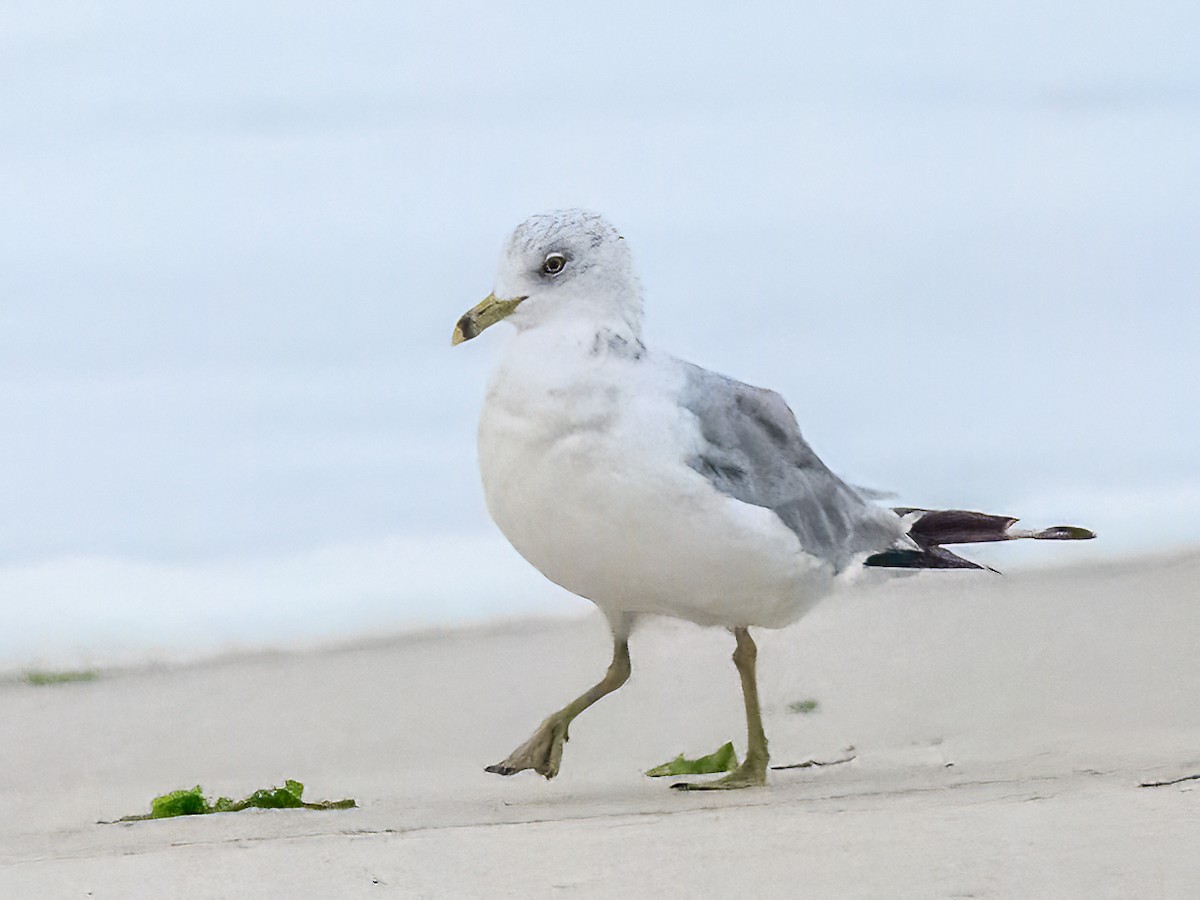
(584, 457)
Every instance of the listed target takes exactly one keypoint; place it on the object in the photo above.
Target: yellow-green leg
(753, 770)
(543, 751)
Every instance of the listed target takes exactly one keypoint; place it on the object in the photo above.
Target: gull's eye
(553, 264)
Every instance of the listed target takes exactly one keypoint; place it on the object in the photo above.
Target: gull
(651, 486)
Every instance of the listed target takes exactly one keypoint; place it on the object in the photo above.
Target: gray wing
(751, 449)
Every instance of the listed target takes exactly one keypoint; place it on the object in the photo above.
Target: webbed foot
(751, 773)
(542, 752)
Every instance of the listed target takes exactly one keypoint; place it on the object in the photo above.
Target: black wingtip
(937, 527)
(1065, 533)
(930, 558)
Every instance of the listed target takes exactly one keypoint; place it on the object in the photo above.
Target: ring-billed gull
(652, 486)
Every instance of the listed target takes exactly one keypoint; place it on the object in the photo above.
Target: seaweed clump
(192, 802)
(723, 759)
(41, 679)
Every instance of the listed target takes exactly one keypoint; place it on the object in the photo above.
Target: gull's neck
(578, 336)
(592, 324)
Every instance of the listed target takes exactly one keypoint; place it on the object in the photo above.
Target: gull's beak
(490, 310)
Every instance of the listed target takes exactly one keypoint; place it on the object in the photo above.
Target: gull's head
(561, 267)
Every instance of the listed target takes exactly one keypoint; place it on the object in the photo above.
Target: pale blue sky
(960, 240)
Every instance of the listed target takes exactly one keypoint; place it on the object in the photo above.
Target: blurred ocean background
(963, 240)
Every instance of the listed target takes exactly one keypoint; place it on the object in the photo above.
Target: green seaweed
(178, 803)
(191, 802)
(39, 679)
(804, 707)
(722, 760)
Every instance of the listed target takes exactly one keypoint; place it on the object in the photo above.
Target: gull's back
(751, 449)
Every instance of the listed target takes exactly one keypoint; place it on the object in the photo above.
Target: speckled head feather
(547, 229)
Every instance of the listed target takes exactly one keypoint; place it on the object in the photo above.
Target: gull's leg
(543, 751)
(753, 770)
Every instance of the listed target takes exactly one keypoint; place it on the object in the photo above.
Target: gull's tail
(930, 529)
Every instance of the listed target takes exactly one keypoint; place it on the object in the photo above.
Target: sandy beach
(997, 730)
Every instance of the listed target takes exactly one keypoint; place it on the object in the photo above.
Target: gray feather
(752, 450)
